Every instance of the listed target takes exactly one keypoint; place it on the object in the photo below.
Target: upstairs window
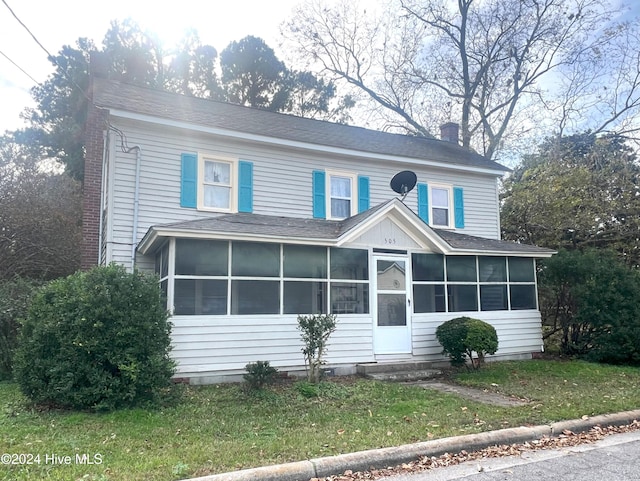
(441, 206)
(209, 182)
(338, 195)
(217, 184)
(341, 203)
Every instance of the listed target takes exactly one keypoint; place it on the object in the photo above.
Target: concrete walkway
(384, 457)
(485, 397)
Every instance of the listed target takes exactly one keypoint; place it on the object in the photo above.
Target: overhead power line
(19, 67)
(49, 56)
(27, 29)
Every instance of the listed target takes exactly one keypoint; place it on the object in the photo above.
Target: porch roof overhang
(290, 230)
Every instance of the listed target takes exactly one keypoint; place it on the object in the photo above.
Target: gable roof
(244, 226)
(160, 104)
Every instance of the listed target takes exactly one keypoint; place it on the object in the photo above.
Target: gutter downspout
(103, 194)
(136, 205)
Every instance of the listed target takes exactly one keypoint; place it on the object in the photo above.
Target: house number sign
(390, 241)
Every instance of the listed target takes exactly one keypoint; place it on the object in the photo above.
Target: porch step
(391, 366)
(405, 376)
(398, 371)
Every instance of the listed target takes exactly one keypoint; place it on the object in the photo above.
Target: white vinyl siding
(226, 344)
(282, 182)
(217, 345)
(519, 332)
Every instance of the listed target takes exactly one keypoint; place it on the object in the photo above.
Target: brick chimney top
(449, 132)
(98, 64)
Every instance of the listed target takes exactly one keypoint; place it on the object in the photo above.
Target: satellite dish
(404, 182)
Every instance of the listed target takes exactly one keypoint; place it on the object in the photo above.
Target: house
(252, 217)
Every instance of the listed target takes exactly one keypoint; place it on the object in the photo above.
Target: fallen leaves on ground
(566, 439)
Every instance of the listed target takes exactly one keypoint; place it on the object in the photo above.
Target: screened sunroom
(235, 284)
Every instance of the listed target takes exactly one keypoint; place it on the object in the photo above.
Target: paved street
(615, 458)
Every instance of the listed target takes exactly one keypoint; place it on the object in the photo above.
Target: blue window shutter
(363, 193)
(189, 181)
(423, 202)
(319, 203)
(245, 186)
(458, 207)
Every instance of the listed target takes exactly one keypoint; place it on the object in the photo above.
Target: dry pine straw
(424, 463)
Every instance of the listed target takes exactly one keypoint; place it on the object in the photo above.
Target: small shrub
(308, 389)
(97, 340)
(315, 331)
(259, 374)
(324, 389)
(462, 336)
(15, 296)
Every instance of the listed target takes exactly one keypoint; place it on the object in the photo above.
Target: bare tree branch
(494, 65)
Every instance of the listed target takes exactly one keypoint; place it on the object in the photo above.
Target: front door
(392, 313)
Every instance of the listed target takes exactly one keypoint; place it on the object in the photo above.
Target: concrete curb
(393, 456)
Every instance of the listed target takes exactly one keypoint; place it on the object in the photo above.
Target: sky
(61, 22)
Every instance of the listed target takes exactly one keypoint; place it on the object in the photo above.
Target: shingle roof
(167, 105)
(469, 242)
(270, 225)
(319, 229)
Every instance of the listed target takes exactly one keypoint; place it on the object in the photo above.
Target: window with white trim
(341, 195)
(441, 206)
(217, 184)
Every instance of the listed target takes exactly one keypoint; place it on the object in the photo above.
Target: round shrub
(452, 335)
(481, 339)
(462, 336)
(97, 340)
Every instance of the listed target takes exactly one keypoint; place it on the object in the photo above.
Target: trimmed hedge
(96, 340)
(462, 336)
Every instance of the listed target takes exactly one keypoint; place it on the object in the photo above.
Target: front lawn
(220, 428)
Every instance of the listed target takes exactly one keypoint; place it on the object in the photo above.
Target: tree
(56, 124)
(193, 69)
(314, 97)
(40, 216)
(484, 64)
(134, 56)
(591, 300)
(253, 76)
(576, 192)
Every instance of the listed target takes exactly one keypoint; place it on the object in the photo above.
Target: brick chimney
(94, 144)
(449, 132)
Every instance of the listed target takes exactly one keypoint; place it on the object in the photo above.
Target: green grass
(220, 428)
